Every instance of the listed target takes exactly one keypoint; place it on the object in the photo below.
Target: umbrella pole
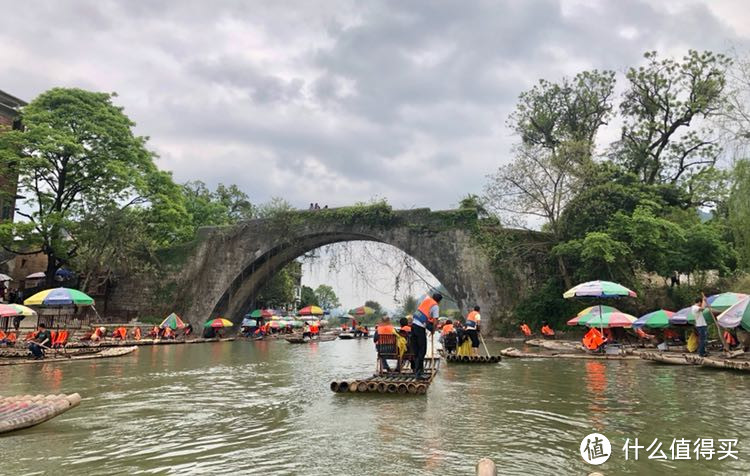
(718, 327)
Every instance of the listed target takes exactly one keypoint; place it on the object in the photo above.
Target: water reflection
(265, 408)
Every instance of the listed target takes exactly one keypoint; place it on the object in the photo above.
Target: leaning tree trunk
(564, 272)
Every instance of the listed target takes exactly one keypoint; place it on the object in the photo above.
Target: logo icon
(595, 448)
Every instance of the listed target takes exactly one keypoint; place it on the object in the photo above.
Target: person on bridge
(473, 320)
(423, 320)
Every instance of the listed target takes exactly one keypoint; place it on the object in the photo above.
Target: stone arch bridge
(227, 266)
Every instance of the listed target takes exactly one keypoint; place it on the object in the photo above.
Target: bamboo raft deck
(302, 340)
(473, 359)
(28, 410)
(61, 357)
(514, 353)
(742, 364)
(401, 383)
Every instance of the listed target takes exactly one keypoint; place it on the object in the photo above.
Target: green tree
(409, 306)
(663, 100)
(77, 151)
(308, 297)
(326, 297)
(739, 211)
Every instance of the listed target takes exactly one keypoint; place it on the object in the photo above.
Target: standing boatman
(473, 320)
(424, 318)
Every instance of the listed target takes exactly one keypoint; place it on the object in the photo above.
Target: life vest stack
(394, 382)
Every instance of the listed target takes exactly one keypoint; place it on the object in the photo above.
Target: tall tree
(660, 142)
(326, 296)
(77, 149)
(557, 125)
(308, 297)
(739, 211)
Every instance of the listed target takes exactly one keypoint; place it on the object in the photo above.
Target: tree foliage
(326, 297)
(739, 211)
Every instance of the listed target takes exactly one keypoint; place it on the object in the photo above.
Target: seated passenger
(154, 332)
(382, 329)
(449, 336)
(168, 333)
(41, 341)
(547, 331)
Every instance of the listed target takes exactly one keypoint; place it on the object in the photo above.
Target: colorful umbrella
(258, 313)
(38, 275)
(5, 277)
(13, 310)
(723, 301)
(59, 297)
(600, 289)
(274, 324)
(655, 320)
(610, 319)
(298, 324)
(311, 311)
(363, 311)
(586, 313)
(218, 322)
(247, 322)
(737, 315)
(172, 321)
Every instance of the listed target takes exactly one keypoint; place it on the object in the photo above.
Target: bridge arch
(230, 264)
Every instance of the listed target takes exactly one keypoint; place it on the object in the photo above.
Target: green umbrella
(655, 320)
(722, 302)
(298, 324)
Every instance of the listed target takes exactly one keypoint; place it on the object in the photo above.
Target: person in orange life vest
(422, 320)
(449, 337)
(382, 329)
(547, 331)
(525, 329)
(473, 320)
(137, 333)
(730, 339)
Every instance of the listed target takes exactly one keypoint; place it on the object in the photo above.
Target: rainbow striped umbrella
(363, 311)
(600, 289)
(274, 324)
(258, 313)
(723, 301)
(737, 315)
(13, 310)
(59, 297)
(172, 321)
(586, 314)
(655, 320)
(311, 311)
(610, 319)
(218, 322)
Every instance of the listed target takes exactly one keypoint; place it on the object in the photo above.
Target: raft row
(29, 410)
(473, 359)
(403, 384)
(60, 356)
(696, 360)
(132, 342)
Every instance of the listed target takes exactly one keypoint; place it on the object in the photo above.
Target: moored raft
(133, 342)
(473, 359)
(62, 357)
(28, 410)
(672, 359)
(515, 353)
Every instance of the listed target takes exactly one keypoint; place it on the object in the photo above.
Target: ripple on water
(265, 408)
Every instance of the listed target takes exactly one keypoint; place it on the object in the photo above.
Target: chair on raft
(387, 349)
(60, 340)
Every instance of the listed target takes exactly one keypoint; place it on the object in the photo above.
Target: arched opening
(238, 298)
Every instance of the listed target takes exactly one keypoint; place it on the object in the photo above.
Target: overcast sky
(338, 101)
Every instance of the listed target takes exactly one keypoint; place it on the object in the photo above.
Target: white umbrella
(38, 275)
(5, 277)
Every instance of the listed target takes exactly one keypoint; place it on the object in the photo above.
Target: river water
(265, 408)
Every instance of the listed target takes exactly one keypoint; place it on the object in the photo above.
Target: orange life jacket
(424, 310)
(526, 330)
(471, 320)
(642, 334)
(729, 339)
(12, 337)
(384, 329)
(448, 328)
(406, 328)
(593, 339)
(547, 330)
(2, 335)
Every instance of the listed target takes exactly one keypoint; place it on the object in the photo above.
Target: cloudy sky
(338, 101)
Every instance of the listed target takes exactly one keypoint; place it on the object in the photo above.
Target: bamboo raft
(473, 359)
(133, 342)
(742, 364)
(62, 357)
(391, 382)
(514, 353)
(29, 410)
(302, 340)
